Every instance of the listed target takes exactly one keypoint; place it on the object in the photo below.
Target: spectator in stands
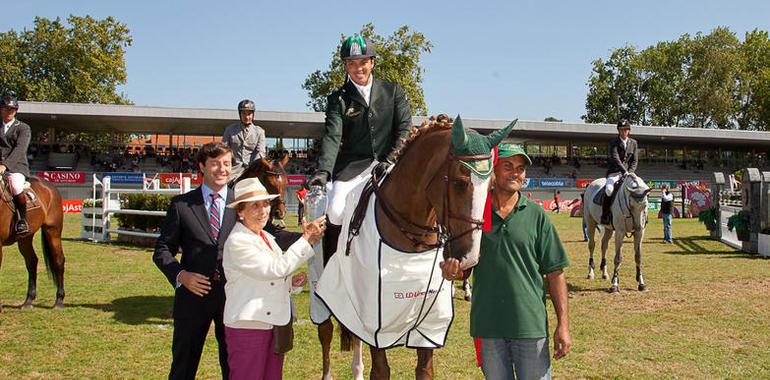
(245, 139)
(13, 157)
(622, 159)
(666, 207)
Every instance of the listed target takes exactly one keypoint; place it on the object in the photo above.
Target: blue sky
(491, 60)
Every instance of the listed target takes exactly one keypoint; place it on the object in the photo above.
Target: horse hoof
(614, 289)
(27, 306)
(58, 306)
(467, 298)
(642, 288)
(590, 276)
(604, 277)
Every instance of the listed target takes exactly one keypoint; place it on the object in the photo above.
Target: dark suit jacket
(622, 160)
(357, 133)
(186, 227)
(13, 148)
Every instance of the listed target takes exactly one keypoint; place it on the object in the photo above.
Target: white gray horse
(629, 216)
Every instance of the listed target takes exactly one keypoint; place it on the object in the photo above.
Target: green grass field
(706, 315)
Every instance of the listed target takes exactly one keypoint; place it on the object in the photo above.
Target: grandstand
(560, 150)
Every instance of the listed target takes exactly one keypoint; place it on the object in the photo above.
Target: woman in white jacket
(259, 282)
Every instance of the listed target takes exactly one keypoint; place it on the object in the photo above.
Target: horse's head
(273, 176)
(466, 175)
(637, 190)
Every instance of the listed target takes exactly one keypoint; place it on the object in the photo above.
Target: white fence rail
(95, 221)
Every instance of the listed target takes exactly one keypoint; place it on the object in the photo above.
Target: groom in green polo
(520, 257)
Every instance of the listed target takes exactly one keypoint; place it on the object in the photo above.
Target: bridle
(445, 236)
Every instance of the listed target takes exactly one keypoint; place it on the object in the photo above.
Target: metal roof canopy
(97, 118)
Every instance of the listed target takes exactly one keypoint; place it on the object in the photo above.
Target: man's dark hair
(212, 150)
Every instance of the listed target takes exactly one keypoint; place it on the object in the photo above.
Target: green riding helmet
(356, 47)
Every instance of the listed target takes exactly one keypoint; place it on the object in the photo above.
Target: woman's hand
(314, 231)
(299, 280)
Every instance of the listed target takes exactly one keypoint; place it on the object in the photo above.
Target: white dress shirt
(365, 91)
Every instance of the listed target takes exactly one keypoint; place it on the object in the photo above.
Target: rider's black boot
(22, 228)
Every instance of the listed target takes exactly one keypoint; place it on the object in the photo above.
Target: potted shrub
(741, 222)
(709, 218)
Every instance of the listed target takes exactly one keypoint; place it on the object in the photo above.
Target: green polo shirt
(508, 282)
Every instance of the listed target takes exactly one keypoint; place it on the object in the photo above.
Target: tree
(553, 119)
(708, 81)
(398, 60)
(81, 61)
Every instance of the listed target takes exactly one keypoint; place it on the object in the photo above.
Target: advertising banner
(582, 183)
(124, 177)
(74, 206)
(63, 177)
(554, 183)
(295, 179)
(173, 178)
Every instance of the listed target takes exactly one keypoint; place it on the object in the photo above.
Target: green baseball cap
(510, 150)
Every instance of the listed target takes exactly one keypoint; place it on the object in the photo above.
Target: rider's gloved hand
(319, 178)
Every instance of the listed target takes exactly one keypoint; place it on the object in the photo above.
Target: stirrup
(22, 228)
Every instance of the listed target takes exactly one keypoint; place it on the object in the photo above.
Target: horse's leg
(638, 257)
(380, 368)
(54, 255)
(357, 365)
(1, 265)
(467, 289)
(617, 261)
(591, 245)
(606, 236)
(424, 369)
(325, 333)
(30, 259)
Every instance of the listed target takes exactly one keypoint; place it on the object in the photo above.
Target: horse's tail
(48, 257)
(345, 339)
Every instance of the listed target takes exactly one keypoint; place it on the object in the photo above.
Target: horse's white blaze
(478, 201)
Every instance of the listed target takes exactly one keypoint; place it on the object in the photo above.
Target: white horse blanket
(383, 296)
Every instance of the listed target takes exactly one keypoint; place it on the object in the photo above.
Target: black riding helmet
(9, 100)
(356, 47)
(624, 123)
(246, 105)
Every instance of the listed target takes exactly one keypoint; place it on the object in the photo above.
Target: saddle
(359, 212)
(6, 195)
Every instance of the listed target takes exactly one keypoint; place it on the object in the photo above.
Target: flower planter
(743, 235)
(764, 245)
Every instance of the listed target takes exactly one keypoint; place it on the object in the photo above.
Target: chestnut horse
(273, 176)
(44, 213)
(432, 201)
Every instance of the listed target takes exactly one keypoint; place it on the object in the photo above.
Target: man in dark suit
(623, 158)
(198, 223)
(14, 142)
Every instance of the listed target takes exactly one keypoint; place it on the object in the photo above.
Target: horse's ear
(265, 163)
(459, 137)
(285, 159)
(497, 136)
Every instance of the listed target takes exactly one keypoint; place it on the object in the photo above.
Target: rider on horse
(622, 159)
(13, 157)
(365, 121)
(246, 140)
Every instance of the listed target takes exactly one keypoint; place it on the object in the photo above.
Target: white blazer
(258, 277)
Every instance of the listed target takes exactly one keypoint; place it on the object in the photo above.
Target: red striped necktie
(214, 215)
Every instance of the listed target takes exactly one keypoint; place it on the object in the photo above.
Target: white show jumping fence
(95, 221)
(752, 197)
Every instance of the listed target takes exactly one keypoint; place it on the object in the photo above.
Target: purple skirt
(250, 355)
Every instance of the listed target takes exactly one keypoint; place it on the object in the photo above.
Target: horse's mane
(434, 123)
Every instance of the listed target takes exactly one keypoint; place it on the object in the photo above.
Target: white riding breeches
(337, 192)
(17, 182)
(611, 184)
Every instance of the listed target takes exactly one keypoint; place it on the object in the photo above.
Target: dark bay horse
(433, 199)
(44, 213)
(273, 176)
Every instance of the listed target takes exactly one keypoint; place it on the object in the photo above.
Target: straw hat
(250, 190)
